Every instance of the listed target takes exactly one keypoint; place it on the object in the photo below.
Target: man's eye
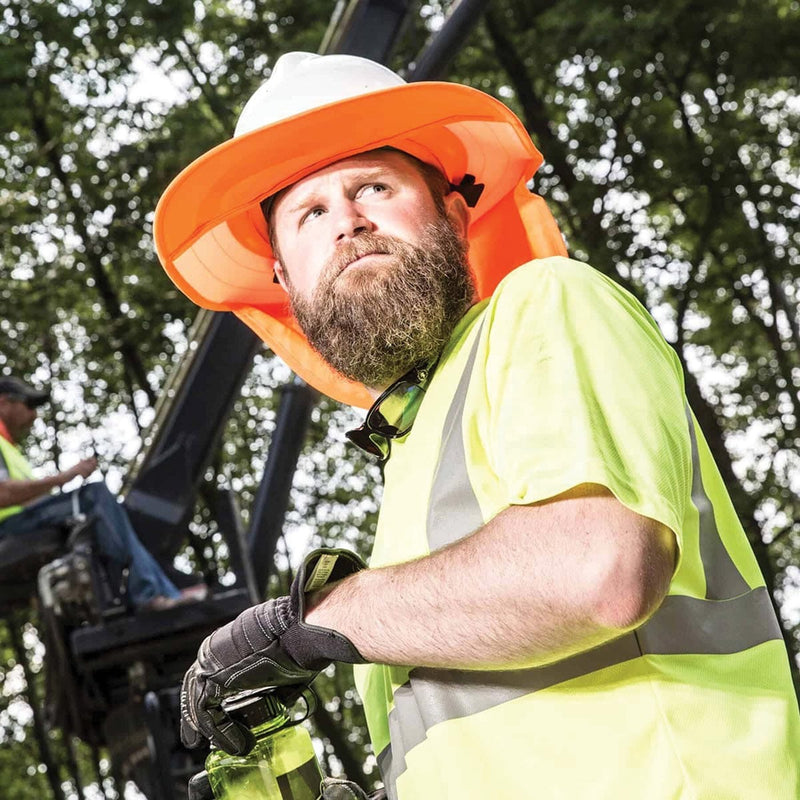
(372, 188)
(311, 214)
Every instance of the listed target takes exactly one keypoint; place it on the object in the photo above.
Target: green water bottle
(281, 766)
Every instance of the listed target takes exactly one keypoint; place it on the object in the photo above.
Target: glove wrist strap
(312, 646)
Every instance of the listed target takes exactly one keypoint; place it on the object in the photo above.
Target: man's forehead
(383, 158)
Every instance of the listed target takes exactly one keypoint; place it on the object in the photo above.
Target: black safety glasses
(392, 414)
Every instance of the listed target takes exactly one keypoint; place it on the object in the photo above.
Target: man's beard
(373, 323)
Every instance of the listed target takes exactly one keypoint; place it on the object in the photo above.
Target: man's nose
(351, 221)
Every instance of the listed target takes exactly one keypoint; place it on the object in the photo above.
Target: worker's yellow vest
(562, 378)
(18, 469)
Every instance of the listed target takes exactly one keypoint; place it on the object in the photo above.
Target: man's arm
(20, 492)
(534, 585)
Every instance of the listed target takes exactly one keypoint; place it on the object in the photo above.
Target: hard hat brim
(211, 236)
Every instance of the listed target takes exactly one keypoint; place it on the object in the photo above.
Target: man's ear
(455, 207)
(280, 275)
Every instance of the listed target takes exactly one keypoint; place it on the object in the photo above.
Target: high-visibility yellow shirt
(563, 378)
(13, 466)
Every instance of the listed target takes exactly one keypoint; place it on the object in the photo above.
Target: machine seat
(21, 557)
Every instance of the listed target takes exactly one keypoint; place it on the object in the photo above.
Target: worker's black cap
(14, 386)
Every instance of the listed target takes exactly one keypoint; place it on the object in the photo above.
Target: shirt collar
(5, 434)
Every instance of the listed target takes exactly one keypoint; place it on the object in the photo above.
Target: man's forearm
(534, 585)
(20, 492)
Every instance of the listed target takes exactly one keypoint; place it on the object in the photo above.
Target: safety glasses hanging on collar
(392, 414)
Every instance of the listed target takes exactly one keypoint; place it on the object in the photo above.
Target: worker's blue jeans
(114, 536)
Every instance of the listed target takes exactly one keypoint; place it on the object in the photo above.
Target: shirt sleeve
(4, 473)
(581, 387)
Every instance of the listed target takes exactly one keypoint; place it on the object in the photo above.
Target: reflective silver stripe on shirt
(731, 619)
(453, 511)
(682, 625)
(723, 580)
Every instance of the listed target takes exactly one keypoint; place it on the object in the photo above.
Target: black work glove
(267, 645)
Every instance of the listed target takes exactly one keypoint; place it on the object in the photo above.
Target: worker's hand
(338, 789)
(84, 468)
(267, 645)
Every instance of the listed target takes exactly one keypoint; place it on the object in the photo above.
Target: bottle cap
(255, 709)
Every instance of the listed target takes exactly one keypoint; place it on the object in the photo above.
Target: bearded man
(560, 601)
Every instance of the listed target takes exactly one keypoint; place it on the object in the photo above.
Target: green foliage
(670, 138)
(17, 746)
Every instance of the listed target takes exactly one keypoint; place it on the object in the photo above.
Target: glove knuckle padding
(247, 634)
(285, 613)
(261, 618)
(270, 619)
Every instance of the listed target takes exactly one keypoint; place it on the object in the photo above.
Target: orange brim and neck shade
(212, 239)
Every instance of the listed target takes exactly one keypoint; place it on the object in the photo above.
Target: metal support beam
(368, 28)
(189, 423)
(230, 519)
(272, 500)
(435, 58)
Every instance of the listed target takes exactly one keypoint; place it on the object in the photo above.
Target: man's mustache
(366, 244)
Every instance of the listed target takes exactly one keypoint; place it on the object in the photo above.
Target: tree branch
(108, 294)
(202, 79)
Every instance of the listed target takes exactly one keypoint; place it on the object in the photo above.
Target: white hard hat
(303, 81)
